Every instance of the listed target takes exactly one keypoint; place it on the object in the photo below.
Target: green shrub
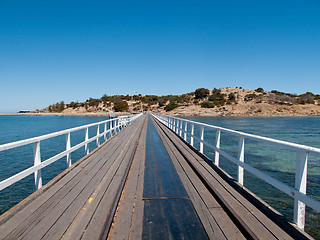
(277, 92)
(121, 106)
(161, 102)
(231, 97)
(172, 105)
(94, 102)
(207, 105)
(260, 90)
(250, 97)
(201, 93)
(216, 97)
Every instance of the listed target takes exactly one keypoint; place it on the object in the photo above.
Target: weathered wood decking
(83, 202)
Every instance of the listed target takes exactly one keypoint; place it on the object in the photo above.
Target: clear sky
(57, 50)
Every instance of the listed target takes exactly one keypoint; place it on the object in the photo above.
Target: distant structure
(24, 111)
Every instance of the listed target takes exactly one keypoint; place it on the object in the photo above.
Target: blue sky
(72, 50)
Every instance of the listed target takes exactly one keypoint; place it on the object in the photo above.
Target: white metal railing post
(98, 130)
(185, 130)
(241, 159)
(301, 186)
(192, 133)
(86, 138)
(68, 146)
(177, 123)
(118, 126)
(105, 131)
(37, 161)
(177, 126)
(202, 138)
(110, 127)
(216, 154)
(174, 124)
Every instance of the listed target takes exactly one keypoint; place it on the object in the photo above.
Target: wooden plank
(128, 204)
(88, 201)
(176, 217)
(249, 216)
(216, 222)
(86, 204)
(209, 224)
(137, 218)
(95, 226)
(160, 179)
(78, 226)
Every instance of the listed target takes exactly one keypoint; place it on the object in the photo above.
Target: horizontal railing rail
(181, 126)
(115, 125)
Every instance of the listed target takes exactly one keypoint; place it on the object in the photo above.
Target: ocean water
(277, 162)
(271, 159)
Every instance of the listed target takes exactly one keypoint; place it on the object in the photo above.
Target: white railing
(115, 125)
(179, 126)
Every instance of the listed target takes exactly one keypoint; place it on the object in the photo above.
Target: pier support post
(68, 146)
(241, 159)
(37, 161)
(216, 154)
(301, 186)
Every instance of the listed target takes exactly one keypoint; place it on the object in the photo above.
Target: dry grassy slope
(248, 108)
(242, 108)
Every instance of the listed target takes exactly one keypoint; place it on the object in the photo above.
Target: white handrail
(302, 151)
(115, 125)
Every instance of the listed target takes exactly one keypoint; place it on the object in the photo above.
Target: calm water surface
(277, 162)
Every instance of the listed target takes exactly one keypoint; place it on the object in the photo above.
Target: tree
(231, 97)
(259, 90)
(207, 105)
(121, 106)
(172, 105)
(201, 93)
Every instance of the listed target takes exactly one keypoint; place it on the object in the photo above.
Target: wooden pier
(144, 183)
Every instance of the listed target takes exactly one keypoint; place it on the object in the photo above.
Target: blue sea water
(277, 162)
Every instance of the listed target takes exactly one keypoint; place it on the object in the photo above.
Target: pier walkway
(144, 183)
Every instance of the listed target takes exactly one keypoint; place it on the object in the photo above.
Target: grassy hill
(204, 102)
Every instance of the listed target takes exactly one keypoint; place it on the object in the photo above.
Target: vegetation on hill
(202, 97)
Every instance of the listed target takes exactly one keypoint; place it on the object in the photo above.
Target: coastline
(173, 113)
(95, 114)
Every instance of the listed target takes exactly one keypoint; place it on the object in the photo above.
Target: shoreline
(97, 114)
(104, 114)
